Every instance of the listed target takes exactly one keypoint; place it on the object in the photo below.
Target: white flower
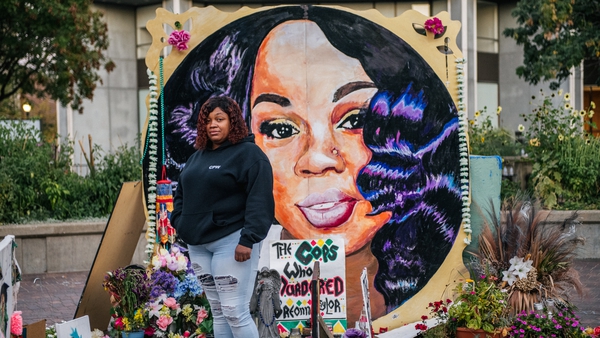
(508, 277)
(521, 271)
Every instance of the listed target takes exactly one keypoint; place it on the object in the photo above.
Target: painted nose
(320, 158)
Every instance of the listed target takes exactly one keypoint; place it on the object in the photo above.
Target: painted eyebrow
(351, 87)
(277, 99)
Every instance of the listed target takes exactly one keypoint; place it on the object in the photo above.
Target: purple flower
(354, 333)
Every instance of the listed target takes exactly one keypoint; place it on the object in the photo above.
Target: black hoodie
(223, 190)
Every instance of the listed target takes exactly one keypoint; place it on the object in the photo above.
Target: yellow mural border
(207, 20)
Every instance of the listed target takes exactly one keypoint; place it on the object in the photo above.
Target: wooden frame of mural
(331, 91)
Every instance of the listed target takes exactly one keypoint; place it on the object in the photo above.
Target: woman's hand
(242, 253)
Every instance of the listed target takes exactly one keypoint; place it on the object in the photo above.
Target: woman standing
(223, 209)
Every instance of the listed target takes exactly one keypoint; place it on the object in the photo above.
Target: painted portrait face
(308, 101)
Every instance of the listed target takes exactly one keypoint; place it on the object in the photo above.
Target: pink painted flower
(202, 314)
(186, 334)
(163, 322)
(171, 303)
(16, 323)
(179, 39)
(434, 25)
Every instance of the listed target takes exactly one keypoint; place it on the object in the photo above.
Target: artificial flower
(434, 25)
(171, 303)
(202, 315)
(179, 39)
(16, 323)
(567, 106)
(163, 322)
(582, 113)
(477, 113)
(567, 97)
(521, 128)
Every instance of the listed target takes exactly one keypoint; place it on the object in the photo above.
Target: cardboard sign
(294, 259)
(76, 328)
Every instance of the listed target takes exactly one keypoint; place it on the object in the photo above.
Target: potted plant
(129, 290)
(480, 308)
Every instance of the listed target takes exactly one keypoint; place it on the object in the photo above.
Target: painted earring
(335, 151)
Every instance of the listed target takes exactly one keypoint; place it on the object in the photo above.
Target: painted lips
(329, 209)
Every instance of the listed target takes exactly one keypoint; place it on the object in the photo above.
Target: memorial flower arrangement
(129, 290)
(534, 257)
(178, 307)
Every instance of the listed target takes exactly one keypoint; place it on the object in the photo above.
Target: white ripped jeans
(228, 285)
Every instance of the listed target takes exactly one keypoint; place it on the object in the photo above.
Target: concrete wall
(61, 247)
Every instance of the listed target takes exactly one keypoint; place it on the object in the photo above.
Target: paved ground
(54, 297)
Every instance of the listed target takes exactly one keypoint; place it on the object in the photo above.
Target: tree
(556, 35)
(53, 47)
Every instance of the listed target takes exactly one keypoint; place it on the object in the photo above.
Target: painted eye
(278, 129)
(354, 119)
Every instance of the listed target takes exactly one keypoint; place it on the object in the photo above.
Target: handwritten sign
(294, 259)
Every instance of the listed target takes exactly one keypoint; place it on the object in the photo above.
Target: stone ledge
(52, 229)
(61, 247)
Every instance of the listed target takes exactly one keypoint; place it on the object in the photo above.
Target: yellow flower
(582, 113)
(592, 105)
(534, 142)
(521, 128)
(574, 113)
(498, 110)
(469, 280)
(560, 92)
(482, 139)
(560, 137)
(567, 97)
(472, 122)
(477, 113)
(591, 114)
(567, 106)
(588, 141)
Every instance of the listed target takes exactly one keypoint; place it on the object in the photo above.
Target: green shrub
(486, 140)
(36, 181)
(566, 159)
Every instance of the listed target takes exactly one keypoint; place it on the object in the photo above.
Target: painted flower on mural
(179, 39)
(434, 25)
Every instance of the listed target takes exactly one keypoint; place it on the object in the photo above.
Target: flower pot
(132, 334)
(463, 332)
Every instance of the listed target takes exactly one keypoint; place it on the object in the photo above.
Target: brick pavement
(54, 296)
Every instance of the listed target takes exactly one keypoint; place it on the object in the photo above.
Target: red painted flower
(434, 25)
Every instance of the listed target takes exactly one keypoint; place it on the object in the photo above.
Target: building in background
(117, 114)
